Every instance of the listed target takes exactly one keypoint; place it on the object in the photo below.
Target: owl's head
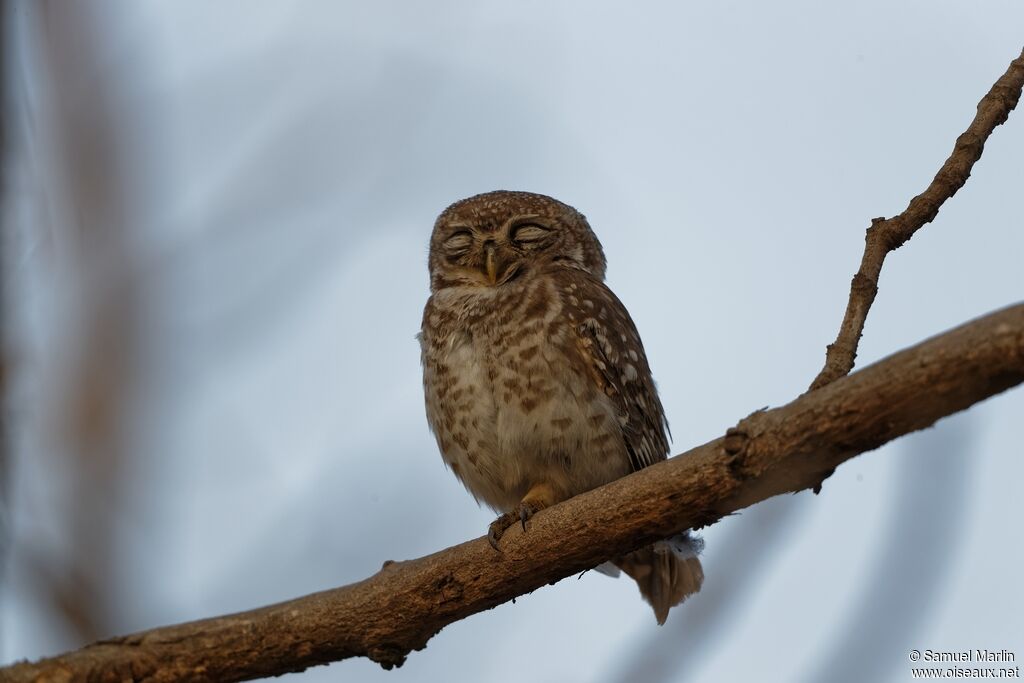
(497, 237)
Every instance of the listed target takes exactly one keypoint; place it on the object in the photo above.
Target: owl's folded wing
(611, 348)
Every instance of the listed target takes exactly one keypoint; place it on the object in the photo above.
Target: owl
(536, 383)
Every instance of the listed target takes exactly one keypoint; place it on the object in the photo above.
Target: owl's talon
(498, 528)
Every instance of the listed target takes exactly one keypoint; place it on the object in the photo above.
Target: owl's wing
(611, 349)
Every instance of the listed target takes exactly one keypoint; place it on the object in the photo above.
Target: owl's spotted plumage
(537, 385)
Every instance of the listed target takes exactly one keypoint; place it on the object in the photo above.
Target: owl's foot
(520, 513)
(538, 498)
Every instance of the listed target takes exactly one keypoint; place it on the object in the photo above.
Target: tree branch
(886, 235)
(400, 608)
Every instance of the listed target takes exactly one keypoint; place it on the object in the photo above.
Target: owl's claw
(497, 530)
(521, 513)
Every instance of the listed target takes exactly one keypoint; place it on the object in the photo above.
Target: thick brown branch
(885, 235)
(401, 607)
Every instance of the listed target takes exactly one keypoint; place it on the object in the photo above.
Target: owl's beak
(491, 263)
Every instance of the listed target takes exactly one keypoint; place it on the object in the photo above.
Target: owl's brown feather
(611, 347)
(665, 578)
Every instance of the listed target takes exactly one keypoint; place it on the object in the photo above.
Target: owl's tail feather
(667, 572)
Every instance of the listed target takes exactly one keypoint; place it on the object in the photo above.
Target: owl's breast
(511, 401)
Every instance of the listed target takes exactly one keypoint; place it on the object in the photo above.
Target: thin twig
(886, 235)
(397, 610)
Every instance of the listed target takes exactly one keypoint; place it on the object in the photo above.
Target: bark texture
(401, 607)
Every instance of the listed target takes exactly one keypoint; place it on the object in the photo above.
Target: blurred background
(215, 221)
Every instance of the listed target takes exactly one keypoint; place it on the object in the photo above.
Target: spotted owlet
(537, 386)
